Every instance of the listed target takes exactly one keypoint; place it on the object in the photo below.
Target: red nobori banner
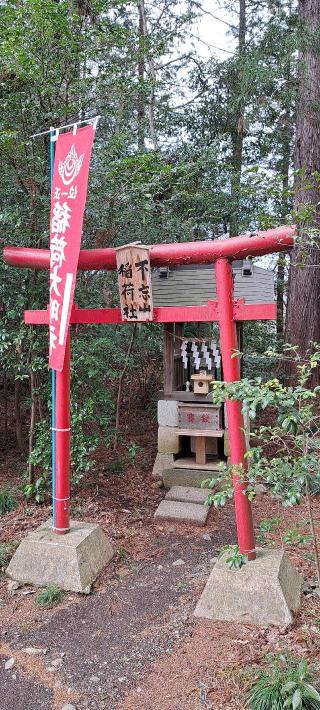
(68, 199)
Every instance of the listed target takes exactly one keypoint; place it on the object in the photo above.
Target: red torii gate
(224, 310)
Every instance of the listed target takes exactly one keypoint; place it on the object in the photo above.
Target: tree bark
(119, 396)
(286, 157)
(5, 405)
(141, 90)
(237, 135)
(17, 414)
(303, 312)
(32, 424)
(143, 33)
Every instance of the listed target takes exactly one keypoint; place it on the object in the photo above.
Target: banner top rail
(54, 129)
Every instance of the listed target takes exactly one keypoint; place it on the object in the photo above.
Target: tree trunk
(143, 53)
(141, 88)
(280, 286)
(32, 424)
(238, 130)
(119, 396)
(5, 405)
(303, 312)
(286, 137)
(17, 414)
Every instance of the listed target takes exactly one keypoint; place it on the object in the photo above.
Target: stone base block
(264, 591)
(168, 412)
(186, 494)
(162, 462)
(168, 440)
(182, 512)
(71, 561)
(186, 477)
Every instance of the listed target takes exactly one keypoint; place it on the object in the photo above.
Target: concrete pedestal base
(71, 561)
(264, 591)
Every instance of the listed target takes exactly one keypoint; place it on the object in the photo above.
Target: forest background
(200, 137)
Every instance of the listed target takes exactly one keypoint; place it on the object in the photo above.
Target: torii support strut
(226, 312)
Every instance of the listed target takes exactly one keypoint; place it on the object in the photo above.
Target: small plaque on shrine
(134, 281)
(200, 416)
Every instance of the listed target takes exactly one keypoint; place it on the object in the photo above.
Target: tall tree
(303, 312)
(238, 128)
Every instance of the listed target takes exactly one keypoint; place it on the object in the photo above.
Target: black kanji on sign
(128, 290)
(125, 270)
(142, 266)
(145, 292)
(145, 308)
(130, 312)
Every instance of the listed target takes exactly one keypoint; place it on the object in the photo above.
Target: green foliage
(294, 435)
(6, 551)
(133, 449)
(36, 490)
(268, 525)
(294, 536)
(7, 501)
(287, 684)
(50, 596)
(82, 447)
(175, 189)
(235, 558)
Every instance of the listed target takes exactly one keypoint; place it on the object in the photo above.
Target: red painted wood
(273, 240)
(256, 311)
(186, 314)
(164, 314)
(231, 373)
(62, 478)
(36, 317)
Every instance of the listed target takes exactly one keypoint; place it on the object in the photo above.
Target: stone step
(182, 512)
(186, 494)
(188, 477)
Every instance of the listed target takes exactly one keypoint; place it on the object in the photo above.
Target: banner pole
(53, 373)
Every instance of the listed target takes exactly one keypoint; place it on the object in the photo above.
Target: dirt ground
(134, 643)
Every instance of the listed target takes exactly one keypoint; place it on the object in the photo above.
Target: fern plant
(7, 501)
(287, 684)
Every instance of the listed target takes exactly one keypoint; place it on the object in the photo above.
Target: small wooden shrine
(193, 432)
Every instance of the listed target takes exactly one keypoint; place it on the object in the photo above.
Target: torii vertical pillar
(61, 491)
(231, 373)
(67, 553)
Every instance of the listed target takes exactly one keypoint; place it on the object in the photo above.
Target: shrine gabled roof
(194, 285)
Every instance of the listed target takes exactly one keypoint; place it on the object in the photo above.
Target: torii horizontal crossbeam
(164, 314)
(273, 240)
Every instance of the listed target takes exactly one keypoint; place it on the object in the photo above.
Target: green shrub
(6, 551)
(286, 684)
(7, 501)
(235, 559)
(50, 596)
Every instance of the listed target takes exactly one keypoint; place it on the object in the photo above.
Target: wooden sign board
(134, 281)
